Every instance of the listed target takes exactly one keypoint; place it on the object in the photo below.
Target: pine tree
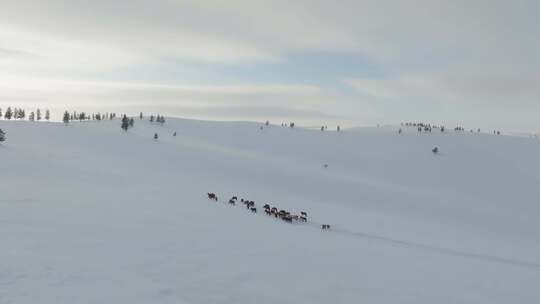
(38, 114)
(66, 117)
(2, 135)
(125, 123)
(31, 116)
(151, 118)
(9, 113)
(162, 120)
(47, 115)
(140, 116)
(0, 113)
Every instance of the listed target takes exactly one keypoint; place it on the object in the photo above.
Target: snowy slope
(90, 214)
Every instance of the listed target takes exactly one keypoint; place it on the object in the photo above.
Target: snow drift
(92, 214)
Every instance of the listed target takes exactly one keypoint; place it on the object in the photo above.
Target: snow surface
(90, 214)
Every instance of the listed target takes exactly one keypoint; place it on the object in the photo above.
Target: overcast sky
(350, 62)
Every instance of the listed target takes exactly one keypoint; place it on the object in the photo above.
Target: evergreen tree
(47, 115)
(125, 123)
(38, 114)
(162, 120)
(9, 113)
(140, 116)
(151, 118)
(31, 116)
(0, 113)
(22, 114)
(2, 136)
(66, 117)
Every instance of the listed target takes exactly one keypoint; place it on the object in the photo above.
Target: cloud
(444, 59)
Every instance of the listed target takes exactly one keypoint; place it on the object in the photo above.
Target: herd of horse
(269, 210)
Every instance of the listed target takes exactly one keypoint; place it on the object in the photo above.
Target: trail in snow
(403, 243)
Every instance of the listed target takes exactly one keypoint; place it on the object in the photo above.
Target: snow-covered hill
(91, 214)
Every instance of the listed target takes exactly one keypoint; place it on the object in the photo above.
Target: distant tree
(0, 113)
(22, 114)
(125, 123)
(162, 120)
(31, 116)
(38, 114)
(9, 113)
(338, 128)
(131, 122)
(174, 134)
(267, 123)
(155, 136)
(322, 128)
(140, 116)
(66, 117)
(400, 131)
(2, 135)
(47, 115)
(151, 118)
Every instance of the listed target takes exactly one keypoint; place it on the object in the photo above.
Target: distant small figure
(325, 166)
(325, 227)
(435, 150)
(156, 136)
(338, 128)
(261, 128)
(400, 131)
(174, 134)
(267, 123)
(322, 128)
